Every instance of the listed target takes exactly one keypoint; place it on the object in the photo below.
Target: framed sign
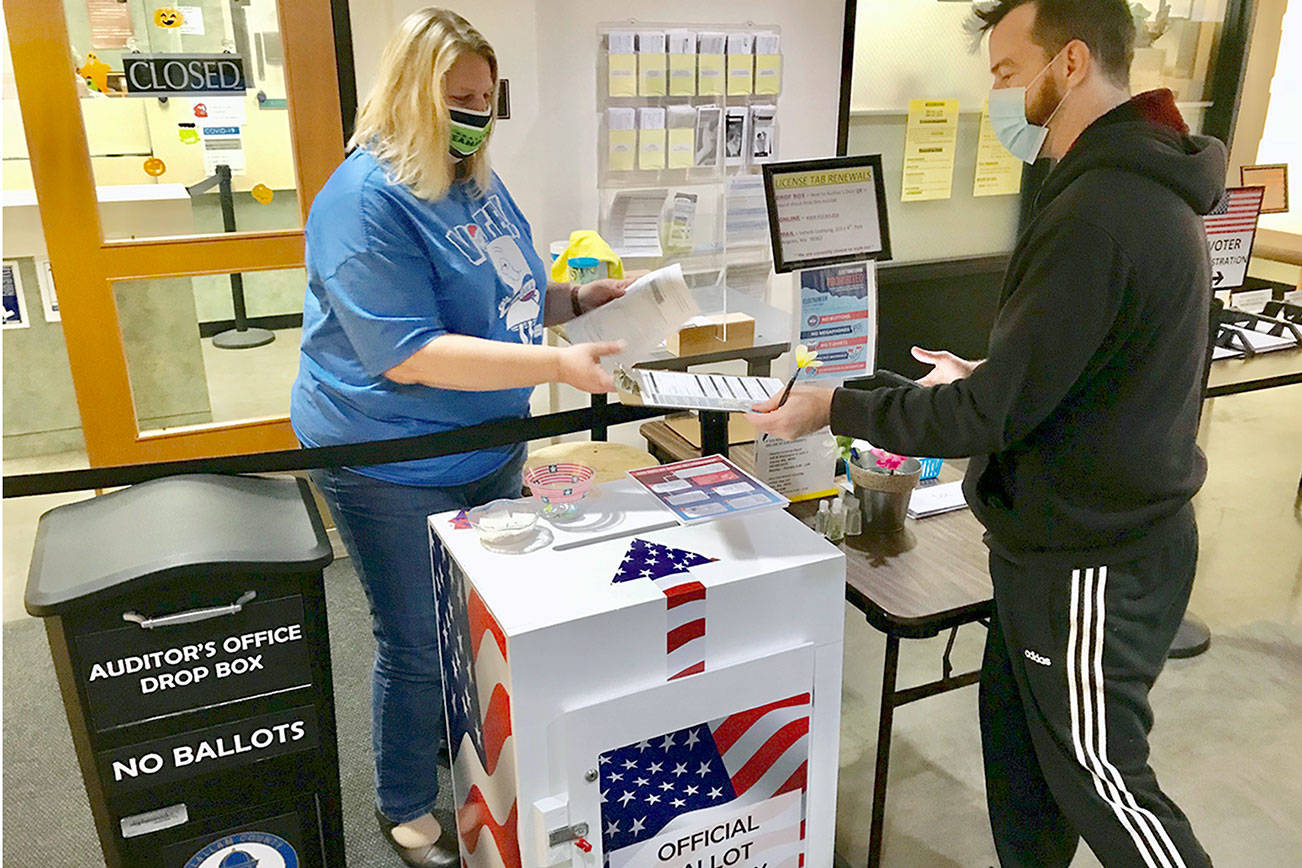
(49, 298)
(825, 212)
(15, 305)
(1231, 228)
(1274, 178)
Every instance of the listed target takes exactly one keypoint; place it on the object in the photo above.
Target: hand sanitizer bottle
(836, 523)
(821, 518)
(853, 517)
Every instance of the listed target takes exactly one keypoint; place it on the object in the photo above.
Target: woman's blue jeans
(382, 524)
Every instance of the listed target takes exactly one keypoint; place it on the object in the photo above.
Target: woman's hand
(947, 367)
(580, 366)
(598, 292)
(808, 408)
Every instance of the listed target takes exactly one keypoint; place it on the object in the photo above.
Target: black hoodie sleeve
(1060, 310)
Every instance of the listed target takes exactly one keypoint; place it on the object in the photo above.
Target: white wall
(547, 152)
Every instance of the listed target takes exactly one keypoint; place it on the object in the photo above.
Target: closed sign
(184, 74)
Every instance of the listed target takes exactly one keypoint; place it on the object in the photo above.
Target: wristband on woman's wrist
(574, 300)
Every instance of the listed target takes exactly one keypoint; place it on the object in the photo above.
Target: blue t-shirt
(387, 273)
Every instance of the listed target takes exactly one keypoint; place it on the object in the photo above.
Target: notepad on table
(936, 499)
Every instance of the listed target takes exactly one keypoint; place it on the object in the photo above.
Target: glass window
(173, 329)
(1281, 139)
(148, 152)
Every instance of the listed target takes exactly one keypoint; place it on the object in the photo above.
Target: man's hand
(580, 367)
(808, 409)
(947, 367)
(599, 292)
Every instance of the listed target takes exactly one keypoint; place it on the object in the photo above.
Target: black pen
(787, 391)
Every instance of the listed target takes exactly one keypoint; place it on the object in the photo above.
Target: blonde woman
(424, 311)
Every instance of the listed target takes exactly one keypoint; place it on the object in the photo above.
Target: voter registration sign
(826, 212)
(1231, 227)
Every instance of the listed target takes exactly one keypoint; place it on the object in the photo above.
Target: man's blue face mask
(1022, 138)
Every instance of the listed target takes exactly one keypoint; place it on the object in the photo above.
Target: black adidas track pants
(1069, 660)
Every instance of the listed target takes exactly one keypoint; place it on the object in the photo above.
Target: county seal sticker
(246, 850)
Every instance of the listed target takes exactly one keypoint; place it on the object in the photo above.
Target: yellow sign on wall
(929, 141)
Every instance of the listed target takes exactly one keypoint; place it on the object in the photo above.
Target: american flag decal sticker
(727, 793)
(477, 701)
(684, 601)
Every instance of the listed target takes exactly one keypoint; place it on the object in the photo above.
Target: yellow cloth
(586, 242)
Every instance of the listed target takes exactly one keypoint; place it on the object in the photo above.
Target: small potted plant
(883, 482)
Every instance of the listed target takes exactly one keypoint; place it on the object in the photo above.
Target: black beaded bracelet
(574, 300)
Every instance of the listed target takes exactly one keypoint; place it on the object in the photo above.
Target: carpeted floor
(1226, 746)
(45, 809)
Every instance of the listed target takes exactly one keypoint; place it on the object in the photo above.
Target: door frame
(88, 265)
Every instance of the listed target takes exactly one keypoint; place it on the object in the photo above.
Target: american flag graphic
(1236, 212)
(683, 780)
(668, 568)
(477, 701)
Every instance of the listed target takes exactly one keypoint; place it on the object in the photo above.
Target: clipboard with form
(697, 391)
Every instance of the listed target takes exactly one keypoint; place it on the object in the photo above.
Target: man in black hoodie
(1080, 424)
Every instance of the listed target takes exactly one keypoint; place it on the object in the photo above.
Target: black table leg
(714, 433)
(885, 721)
(600, 430)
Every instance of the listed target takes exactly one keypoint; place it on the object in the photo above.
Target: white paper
(1264, 343)
(797, 468)
(49, 297)
(682, 42)
(710, 42)
(651, 42)
(635, 222)
(934, 499)
(767, 43)
(655, 305)
(747, 220)
(621, 42)
(191, 20)
(707, 136)
(219, 111)
(736, 136)
(739, 43)
(764, 130)
(651, 118)
(14, 301)
(622, 118)
(681, 117)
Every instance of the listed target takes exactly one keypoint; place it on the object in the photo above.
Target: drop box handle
(191, 616)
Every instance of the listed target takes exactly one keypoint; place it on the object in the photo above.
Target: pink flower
(887, 460)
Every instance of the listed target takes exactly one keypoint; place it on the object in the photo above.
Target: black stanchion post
(242, 337)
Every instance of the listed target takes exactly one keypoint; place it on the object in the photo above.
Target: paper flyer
(929, 141)
(838, 320)
(998, 173)
(703, 489)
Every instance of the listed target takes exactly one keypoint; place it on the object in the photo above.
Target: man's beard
(1045, 102)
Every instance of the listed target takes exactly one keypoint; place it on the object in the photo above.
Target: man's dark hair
(1106, 26)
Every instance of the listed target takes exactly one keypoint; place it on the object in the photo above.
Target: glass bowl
(558, 488)
(504, 523)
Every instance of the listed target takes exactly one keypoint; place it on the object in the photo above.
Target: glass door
(174, 152)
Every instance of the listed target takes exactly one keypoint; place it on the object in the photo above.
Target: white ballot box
(628, 696)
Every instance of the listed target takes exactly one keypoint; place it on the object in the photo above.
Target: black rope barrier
(486, 435)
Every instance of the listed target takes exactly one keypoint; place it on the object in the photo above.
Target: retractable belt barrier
(486, 435)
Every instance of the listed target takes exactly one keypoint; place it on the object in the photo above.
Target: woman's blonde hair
(404, 121)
